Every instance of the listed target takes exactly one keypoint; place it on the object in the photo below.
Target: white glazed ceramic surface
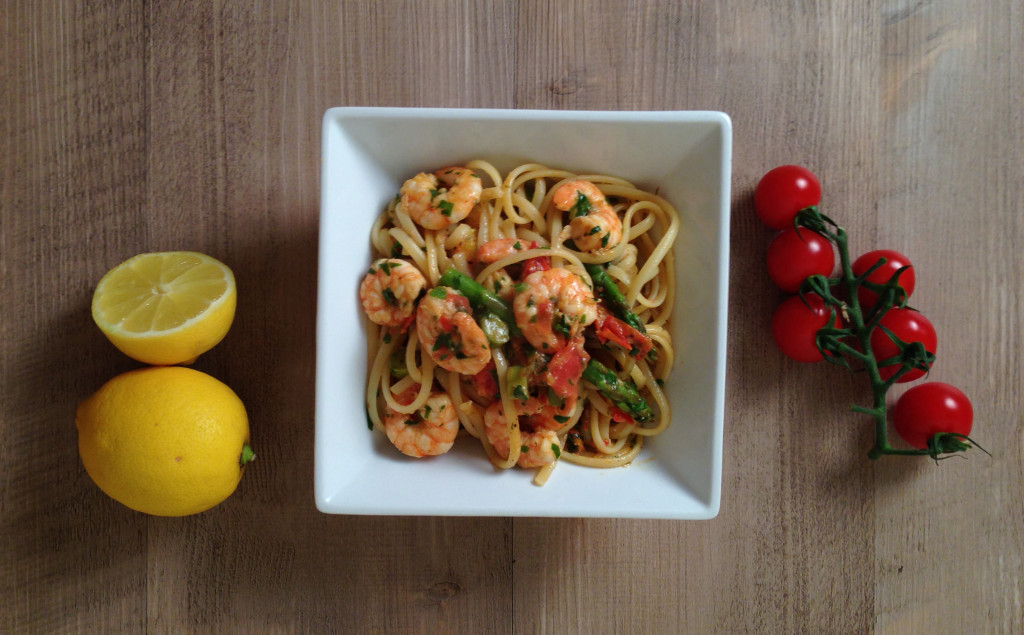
(367, 154)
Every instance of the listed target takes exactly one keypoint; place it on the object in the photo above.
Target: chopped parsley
(444, 340)
(561, 418)
(561, 325)
(557, 450)
(439, 292)
(582, 206)
(389, 296)
(445, 207)
(604, 240)
(524, 449)
(555, 400)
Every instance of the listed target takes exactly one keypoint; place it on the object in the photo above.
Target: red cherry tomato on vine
(796, 254)
(894, 261)
(783, 192)
(795, 326)
(930, 408)
(908, 325)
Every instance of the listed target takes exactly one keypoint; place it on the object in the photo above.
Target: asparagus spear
(623, 394)
(613, 297)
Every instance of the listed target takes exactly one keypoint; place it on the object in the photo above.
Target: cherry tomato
(930, 408)
(908, 325)
(795, 325)
(783, 192)
(796, 254)
(894, 261)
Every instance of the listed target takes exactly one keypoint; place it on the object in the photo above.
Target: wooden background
(128, 127)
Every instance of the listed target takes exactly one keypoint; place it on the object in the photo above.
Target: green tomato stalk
(840, 345)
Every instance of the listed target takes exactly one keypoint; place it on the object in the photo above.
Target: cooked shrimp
(497, 248)
(437, 200)
(537, 448)
(500, 281)
(541, 414)
(554, 308)
(429, 431)
(389, 291)
(594, 225)
(449, 334)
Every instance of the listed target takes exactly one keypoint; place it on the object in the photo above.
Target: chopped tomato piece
(565, 369)
(533, 265)
(486, 382)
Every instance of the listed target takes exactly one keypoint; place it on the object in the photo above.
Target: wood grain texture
(128, 127)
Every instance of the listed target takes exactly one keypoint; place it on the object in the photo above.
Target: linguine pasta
(583, 383)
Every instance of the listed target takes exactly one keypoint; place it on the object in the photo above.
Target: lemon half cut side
(166, 308)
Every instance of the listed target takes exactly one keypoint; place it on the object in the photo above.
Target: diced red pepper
(619, 416)
(609, 328)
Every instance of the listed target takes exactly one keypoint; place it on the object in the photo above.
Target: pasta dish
(529, 311)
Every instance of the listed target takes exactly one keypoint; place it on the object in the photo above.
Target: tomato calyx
(948, 443)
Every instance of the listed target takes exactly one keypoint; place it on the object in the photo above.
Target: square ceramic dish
(367, 155)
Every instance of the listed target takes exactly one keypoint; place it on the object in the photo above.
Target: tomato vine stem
(839, 345)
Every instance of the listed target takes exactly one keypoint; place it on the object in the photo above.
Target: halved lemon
(166, 308)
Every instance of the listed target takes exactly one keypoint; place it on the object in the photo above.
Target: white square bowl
(368, 153)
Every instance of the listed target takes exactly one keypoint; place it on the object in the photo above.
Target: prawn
(492, 251)
(437, 200)
(429, 431)
(390, 290)
(497, 248)
(449, 334)
(593, 224)
(538, 448)
(553, 309)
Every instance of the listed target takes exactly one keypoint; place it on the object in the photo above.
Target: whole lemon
(167, 441)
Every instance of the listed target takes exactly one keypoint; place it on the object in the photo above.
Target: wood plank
(235, 169)
(950, 197)
(73, 194)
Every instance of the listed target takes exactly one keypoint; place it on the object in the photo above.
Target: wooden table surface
(130, 127)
